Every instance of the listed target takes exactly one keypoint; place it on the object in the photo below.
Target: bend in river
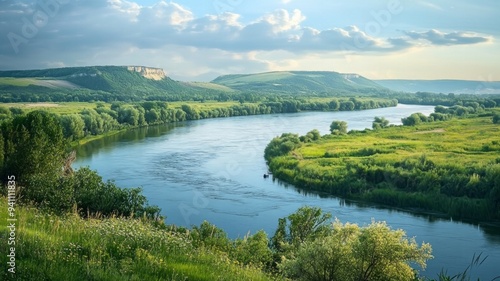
(212, 170)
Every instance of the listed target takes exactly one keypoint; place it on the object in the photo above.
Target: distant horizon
(294, 70)
(201, 40)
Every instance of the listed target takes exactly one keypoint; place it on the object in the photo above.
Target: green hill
(303, 82)
(443, 86)
(138, 83)
(105, 83)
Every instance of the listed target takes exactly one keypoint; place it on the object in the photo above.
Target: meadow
(68, 247)
(451, 167)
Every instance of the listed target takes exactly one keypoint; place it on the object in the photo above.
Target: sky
(198, 40)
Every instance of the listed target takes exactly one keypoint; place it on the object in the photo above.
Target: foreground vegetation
(68, 247)
(448, 163)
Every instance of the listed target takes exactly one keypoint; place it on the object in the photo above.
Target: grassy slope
(115, 79)
(210, 86)
(58, 108)
(70, 248)
(19, 82)
(300, 81)
(443, 86)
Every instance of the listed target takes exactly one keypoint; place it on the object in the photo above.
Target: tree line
(34, 150)
(103, 119)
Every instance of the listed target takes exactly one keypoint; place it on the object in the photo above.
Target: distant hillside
(106, 83)
(303, 82)
(102, 78)
(135, 83)
(442, 86)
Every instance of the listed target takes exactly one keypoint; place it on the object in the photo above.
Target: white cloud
(89, 32)
(436, 37)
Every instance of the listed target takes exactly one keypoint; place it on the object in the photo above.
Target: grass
(457, 141)
(58, 107)
(20, 82)
(259, 77)
(449, 167)
(211, 86)
(50, 247)
(203, 105)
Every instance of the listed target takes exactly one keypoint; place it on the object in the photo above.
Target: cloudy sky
(201, 39)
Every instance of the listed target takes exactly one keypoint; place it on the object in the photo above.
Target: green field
(451, 167)
(58, 108)
(19, 82)
(211, 86)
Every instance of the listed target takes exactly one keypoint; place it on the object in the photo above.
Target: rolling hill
(105, 83)
(134, 83)
(443, 86)
(303, 82)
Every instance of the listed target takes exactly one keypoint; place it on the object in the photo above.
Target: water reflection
(134, 135)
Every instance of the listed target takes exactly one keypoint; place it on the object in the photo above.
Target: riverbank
(86, 122)
(450, 167)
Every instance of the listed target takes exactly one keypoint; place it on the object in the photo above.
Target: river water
(213, 170)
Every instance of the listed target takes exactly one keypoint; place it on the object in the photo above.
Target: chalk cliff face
(148, 72)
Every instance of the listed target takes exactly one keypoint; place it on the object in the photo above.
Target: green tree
(315, 134)
(34, 153)
(334, 105)
(73, 126)
(191, 112)
(253, 249)
(129, 115)
(92, 195)
(93, 122)
(414, 119)
(351, 253)
(108, 122)
(347, 106)
(307, 224)
(281, 145)
(210, 236)
(5, 113)
(338, 127)
(380, 122)
(496, 118)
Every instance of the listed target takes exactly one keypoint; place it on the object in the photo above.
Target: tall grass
(52, 247)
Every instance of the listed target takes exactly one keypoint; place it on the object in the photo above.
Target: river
(213, 170)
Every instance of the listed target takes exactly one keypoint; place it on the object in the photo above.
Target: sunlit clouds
(192, 42)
